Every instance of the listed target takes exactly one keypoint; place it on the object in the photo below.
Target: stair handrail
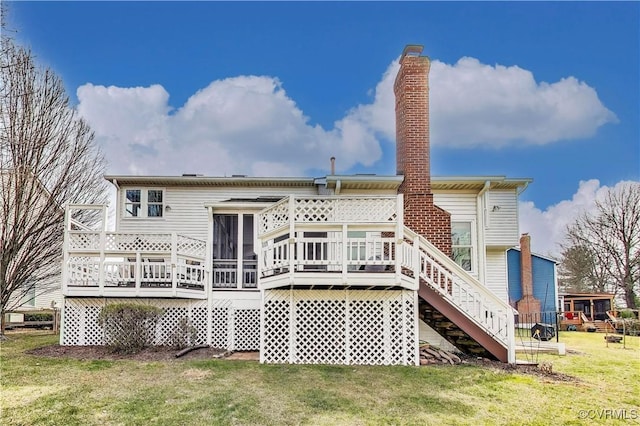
(584, 318)
(456, 270)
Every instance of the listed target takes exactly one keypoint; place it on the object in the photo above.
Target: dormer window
(142, 202)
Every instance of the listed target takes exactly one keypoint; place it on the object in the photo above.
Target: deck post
(138, 272)
(208, 284)
(292, 239)
(174, 263)
(416, 324)
(292, 327)
(240, 259)
(62, 324)
(65, 251)
(344, 253)
(399, 237)
(101, 264)
(416, 261)
(511, 338)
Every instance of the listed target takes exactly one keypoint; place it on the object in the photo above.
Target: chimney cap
(412, 50)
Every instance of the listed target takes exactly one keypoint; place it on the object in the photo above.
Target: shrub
(184, 334)
(38, 317)
(627, 314)
(129, 327)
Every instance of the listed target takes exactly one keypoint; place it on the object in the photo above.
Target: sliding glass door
(234, 260)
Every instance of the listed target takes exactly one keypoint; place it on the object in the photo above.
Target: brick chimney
(411, 89)
(528, 307)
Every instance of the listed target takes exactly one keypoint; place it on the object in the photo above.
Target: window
(461, 244)
(154, 203)
(31, 296)
(144, 203)
(132, 204)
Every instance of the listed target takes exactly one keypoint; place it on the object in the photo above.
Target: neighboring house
(532, 275)
(44, 295)
(589, 312)
(336, 270)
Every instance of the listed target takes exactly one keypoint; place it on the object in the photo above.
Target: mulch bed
(158, 353)
(543, 370)
(163, 353)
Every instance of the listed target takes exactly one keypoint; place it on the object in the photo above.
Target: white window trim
(473, 245)
(240, 213)
(144, 202)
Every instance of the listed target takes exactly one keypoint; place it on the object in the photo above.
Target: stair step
(450, 331)
(444, 324)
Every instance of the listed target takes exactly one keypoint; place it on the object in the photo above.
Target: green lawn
(46, 391)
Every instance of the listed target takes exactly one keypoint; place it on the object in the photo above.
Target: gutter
(520, 191)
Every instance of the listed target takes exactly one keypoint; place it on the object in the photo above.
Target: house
(588, 311)
(20, 189)
(336, 270)
(533, 284)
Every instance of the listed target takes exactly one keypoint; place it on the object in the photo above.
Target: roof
(357, 181)
(477, 183)
(590, 295)
(196, 180)
(364, 181)
(550, 259)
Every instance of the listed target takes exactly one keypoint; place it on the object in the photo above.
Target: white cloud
(245, 125)
(477, 104)
(249, 125)
(547, 227)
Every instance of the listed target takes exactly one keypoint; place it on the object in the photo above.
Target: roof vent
(238, 176)
(192, 175)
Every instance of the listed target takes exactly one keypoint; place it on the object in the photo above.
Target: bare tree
(580, 271)
(610, 241)
(47, 159)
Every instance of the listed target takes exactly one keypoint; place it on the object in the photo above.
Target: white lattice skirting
(231, 328)
(340, 327)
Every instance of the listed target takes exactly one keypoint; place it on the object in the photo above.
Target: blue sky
(548, 91)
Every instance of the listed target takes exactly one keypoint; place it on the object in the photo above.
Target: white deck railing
(122, 242)
(136, 264)
(225, 274)
(461, 289)
(328, 210)
(333, 253)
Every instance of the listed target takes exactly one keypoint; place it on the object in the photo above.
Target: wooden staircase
(458, 306)
(450, 331)
(604, 327)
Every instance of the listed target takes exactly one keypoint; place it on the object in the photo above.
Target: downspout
(481, 213)
(338, 187)
(117, 206)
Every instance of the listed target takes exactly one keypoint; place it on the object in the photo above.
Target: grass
(45, 391)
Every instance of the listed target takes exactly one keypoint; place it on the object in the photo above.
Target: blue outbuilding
(543, 277)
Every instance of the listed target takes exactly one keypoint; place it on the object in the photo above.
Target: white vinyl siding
(44, 294)
(497, 273)
(461, 204)
(46, 300)
(185, 213)
(502, 219)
